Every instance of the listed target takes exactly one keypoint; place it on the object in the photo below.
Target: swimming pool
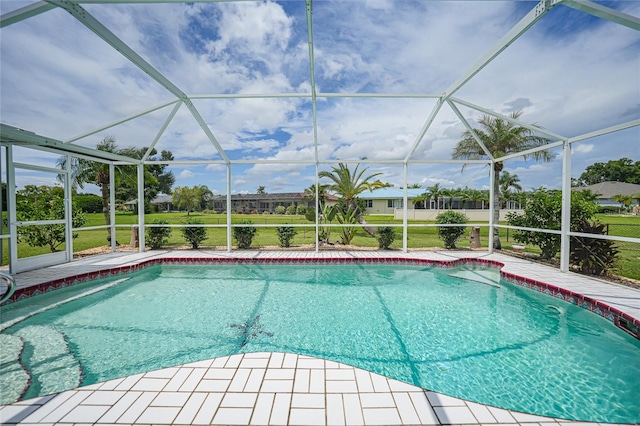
(482, 339)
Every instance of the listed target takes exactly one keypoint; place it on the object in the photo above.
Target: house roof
(610, 189)
(162, 199)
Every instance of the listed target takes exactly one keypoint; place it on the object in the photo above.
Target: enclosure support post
(405, 214)
(492, 205)
(140, 207)
(565, 227)
(229, 245)
(317, 228)
(112, 205)
(11, 210)
(68, 212)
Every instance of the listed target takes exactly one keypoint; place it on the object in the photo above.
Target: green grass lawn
(419, 236)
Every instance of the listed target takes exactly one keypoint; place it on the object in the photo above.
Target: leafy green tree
(186, 198)
(45, 203)
(261, 190)
(89, 203)
(206, 196)
(157, 179)
(622, 170)
(500, 137)
(84, 171)
(543, 210)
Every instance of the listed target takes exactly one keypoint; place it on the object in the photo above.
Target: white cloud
(185, 174)
(60, 80)
(581, 148)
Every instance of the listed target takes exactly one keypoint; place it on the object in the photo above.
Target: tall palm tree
(508, 181)
(500, 137)
(349, 185)
(434, 193)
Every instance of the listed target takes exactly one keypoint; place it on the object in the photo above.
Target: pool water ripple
(503, 345)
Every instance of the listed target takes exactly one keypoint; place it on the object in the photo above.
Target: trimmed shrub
(285, 235)
(280, 210)
(194, 234)
(244, 234)
(386, 235)
(310, 214)
(291, 210)
(451, 234)
(89, 203)
(300, 210)
(158, 236)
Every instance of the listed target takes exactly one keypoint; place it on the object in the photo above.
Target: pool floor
(279, 388)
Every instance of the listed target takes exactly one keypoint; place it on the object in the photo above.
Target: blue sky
(570, 73)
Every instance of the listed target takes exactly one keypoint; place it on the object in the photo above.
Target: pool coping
(621, 302)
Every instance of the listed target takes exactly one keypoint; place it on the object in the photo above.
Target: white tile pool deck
(279, 388)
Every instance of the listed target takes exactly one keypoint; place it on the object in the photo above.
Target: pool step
(483, 276)
(52, 366)
(14, 379)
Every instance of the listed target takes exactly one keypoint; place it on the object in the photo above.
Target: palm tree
(85, 171)
(508, 181)
(432, 193)
(500, 137)
(624, 200)
(349, 185)
(310, 195)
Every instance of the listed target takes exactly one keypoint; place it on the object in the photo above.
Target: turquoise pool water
(480, 339)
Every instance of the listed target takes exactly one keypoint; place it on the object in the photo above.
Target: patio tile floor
(279, 388)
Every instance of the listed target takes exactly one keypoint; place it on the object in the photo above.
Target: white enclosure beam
(470, 129)
(425, 127)
(604, 12)
(121, 121)
(612, 129)
(68, 209)
(23, 13)
(18, 137)
(162, 130)
(312, 76)
(110, 38)
(520, 28)
(509, 119)
(530, 151)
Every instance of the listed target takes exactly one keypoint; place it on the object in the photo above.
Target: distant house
(163, 202)
(386, 200)
(605, 191)
(264, 203)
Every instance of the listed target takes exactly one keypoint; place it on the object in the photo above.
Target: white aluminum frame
(10, 136)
